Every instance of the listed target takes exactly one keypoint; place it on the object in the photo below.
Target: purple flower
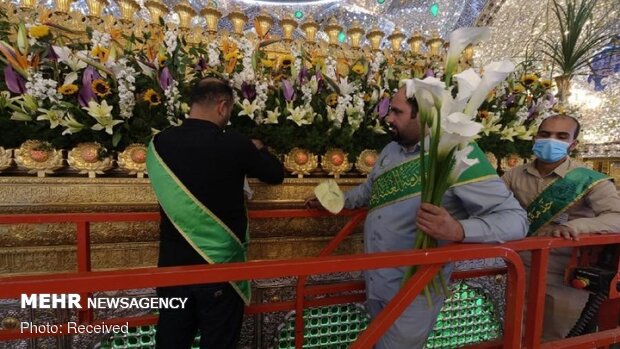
(511, 99)
(165, 79)
(248, 91)
(14, 81)
(303, 76)
(383, 107)
(51, 54)
(201, 65)
(551, 98)
(429, 73)
(86, 91)
(287, 88)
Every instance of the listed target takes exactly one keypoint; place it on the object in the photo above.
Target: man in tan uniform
(563, 199)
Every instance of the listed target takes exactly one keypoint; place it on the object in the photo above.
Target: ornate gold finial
(133, 159)
(434, 45)
(28, 4)
(38, 157)
(5, 158)
(157, 10)
(355, 32)
(375, 36)
(95, 7)
(128, 8)
(310, 28)
(238, 20)
(186, 13)
(86, 158)
(366, 160)
(62, 6)
(333, 30)
(288, 25)
(263, 23)
(300, 162)
(212, 17)
(415, 43)
(396, 39)
(467, 58)
(335, 162)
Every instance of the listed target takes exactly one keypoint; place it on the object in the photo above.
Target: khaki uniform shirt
(596, 211)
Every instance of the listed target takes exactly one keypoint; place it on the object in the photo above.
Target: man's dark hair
(564, 116)
(209, 91)
(414, 107)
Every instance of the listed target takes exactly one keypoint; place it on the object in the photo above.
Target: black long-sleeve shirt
(212, 164)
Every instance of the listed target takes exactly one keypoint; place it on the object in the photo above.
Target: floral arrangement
(510, 113)
(117, 90)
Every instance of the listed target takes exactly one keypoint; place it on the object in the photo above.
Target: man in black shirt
(197, 171)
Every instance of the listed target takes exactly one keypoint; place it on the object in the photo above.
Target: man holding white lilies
(477, 208)
(563, 198)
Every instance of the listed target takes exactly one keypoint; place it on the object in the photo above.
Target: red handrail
(86, 281)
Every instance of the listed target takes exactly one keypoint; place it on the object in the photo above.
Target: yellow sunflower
(546, 84)
(286, 61)
(518, 88)
(100, 52)
(359, 69)
(68, 89)
(529, 79)
(151, 97)
(39, 31)
(332, 100)
(100, 87)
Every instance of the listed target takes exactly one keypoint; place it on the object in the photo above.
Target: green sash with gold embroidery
(403, 181)
(560, 195)
(202, 229)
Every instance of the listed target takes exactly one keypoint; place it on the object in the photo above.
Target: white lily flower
(53, 116)
(525, 133)
(374, 97)
(248, 108)
(346, 88)
(314, 84)
(508, 134)
(434, 86)
(106, 124)
(468, 81)
(461, 163)
(426, 106)
(409, 87)
(490, 125)
(63, 53)
(97, 110)
(377, 128)
(298, 116)
(72, 125)
(459, 39)
(494, 74)
(70, 78)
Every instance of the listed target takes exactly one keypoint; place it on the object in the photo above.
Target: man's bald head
(210, 91)
(564, 117)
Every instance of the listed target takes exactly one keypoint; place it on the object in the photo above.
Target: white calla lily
(461, 163)
(432, 85)
(468, 82)
(494, 74)
(426, 106)
(409, 87)
(459, 39)
(458, 130)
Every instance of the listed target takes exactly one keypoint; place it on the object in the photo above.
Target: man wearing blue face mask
(563, 198)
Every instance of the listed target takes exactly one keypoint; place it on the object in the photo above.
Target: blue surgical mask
(550, 150)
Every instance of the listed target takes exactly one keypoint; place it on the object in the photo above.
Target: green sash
(560, 195)
(403, 181)
(202, 229)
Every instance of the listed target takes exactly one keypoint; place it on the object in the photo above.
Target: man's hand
(312, 202)
(258, 143)
(559, 230)
(438, 223)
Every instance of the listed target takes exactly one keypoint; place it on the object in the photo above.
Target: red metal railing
(86, 281)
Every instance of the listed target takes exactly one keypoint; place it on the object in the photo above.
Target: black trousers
(215, 309)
